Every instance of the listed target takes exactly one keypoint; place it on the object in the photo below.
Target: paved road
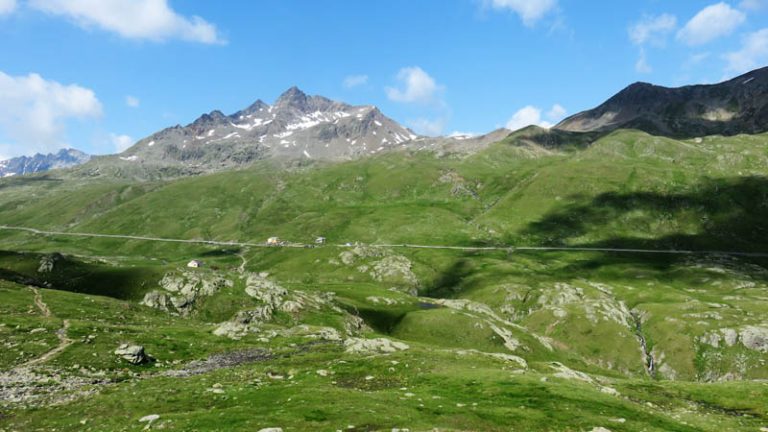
(509, 248)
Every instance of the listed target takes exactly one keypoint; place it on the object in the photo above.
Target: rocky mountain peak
(739, 105)
(293, 98)
(296, 126)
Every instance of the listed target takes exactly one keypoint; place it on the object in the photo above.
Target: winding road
(509, 248)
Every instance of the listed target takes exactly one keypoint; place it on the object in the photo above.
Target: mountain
(732, 107)
(64, 158)
(296, 126)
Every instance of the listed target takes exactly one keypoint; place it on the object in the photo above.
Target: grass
(627, 189)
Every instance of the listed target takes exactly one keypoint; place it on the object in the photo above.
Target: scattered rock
(149, 418)
(271, 429)
(133, 354)
(47, 263)
(373, 346)
(755, 338)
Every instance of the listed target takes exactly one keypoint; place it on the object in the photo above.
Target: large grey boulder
(133, 354)
(755, 338)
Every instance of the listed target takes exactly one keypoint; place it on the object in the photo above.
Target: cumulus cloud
(531, 115)
(34, 111)
(133, 19)
(530, 11)
(120, 142)
(710, 23)
(556, 113)
(415, 86)
(132, 101)
(425, 126)
(353, 81)
(752, 54)
(641, 65)
(652, 29)
(7, 6)
(753, 5)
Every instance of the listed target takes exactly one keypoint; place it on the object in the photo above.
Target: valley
(540, 292)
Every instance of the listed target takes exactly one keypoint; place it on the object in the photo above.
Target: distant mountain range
(64, 158)
(303, 127)
(732, 107)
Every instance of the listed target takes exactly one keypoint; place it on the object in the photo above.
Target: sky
(98, 75)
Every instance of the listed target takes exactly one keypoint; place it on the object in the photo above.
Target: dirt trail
(241, 269)
(40, 304)
(61, 333)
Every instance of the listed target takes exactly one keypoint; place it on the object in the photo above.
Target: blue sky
(99, 74)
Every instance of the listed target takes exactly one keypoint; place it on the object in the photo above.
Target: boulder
(133, 354)
(373, 346)
(755, 338)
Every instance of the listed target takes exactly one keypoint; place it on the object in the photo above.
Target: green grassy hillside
(496, 339)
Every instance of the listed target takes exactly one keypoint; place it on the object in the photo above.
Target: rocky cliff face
(64, 158)
(728, 108)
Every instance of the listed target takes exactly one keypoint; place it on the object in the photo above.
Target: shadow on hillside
(69, 274)
(448, 283)
(221, 252)
(17, 181)
(728, 215)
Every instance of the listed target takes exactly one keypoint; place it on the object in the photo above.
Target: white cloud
(34, 111)
(531, 115)
(710, 23)
(424, 126)
(7, 6)
(132, 101)
(530, 11)
(556, 113)
(753, 53)
(121, 142)
(753, 5)
(652, 29)
(133, 19)
(642, 66)
(353, 81)
(416, 86)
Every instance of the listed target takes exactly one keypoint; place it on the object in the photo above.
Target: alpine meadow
(308, 264)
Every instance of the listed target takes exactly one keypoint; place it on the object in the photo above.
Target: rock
(47, 262)
(755, 338)
(265, 290)
(373, 346)
(565, 372)
(156, 300)
(510, 358)
(394, 268)
(187, 287)
(133, 354)
(232, 330)
(149, 420)
(730, 336)
(271, 429)
(292, 307)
